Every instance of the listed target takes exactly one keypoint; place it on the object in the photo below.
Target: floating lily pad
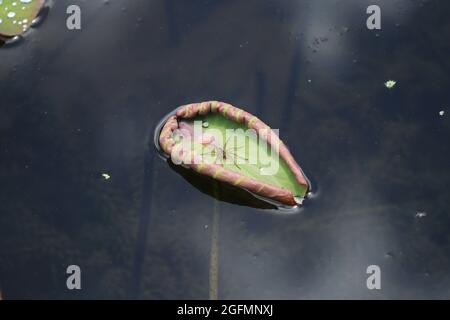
(16, 16)
(230, 145)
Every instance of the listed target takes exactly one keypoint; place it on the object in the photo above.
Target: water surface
(76, 104)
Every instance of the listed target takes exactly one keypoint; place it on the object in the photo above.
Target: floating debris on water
(390, 84)
(106, 176)
(421, 214)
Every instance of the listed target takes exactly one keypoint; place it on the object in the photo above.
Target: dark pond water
(77, 104)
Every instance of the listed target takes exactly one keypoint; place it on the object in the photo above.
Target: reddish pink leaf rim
(217, 171)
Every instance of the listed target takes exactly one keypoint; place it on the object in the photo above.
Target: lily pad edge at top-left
(16, 16)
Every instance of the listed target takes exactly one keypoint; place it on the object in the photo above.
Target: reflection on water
(78, 104)
(227, 192)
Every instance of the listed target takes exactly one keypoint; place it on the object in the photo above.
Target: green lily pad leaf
(238, 156)
(16, 16)
(236, 148)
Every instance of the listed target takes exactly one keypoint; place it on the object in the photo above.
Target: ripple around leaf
(16, 16)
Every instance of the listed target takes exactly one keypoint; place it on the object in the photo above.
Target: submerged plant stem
(214, 253)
